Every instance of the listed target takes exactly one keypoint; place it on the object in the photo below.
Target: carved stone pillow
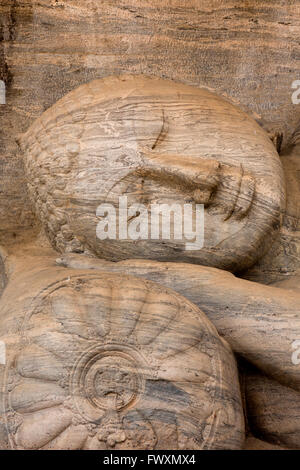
(102, 361)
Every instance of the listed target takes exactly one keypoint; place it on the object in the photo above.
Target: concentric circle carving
(107, 361)
(106, 378)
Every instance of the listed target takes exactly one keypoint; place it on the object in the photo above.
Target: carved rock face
(101, 361)
(154, 141)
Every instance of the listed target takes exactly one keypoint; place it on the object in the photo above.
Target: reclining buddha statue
(120, 318)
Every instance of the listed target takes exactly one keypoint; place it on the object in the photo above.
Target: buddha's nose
(199, 178)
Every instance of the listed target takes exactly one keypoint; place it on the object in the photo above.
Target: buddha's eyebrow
(163, 131)
(150, 126)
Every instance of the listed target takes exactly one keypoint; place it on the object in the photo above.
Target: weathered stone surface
(273, 411)
(131, 120)
(154, 142)
(281, 265)
(103, 361)
(247, 50)
(259, 322)
(168, 159)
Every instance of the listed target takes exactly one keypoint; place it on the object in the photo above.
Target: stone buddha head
(153, 144)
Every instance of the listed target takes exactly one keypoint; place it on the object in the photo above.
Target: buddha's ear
(150, 126)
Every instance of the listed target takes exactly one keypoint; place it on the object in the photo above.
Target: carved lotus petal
(108, 361)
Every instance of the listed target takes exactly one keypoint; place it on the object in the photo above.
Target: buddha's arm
(260, 322)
